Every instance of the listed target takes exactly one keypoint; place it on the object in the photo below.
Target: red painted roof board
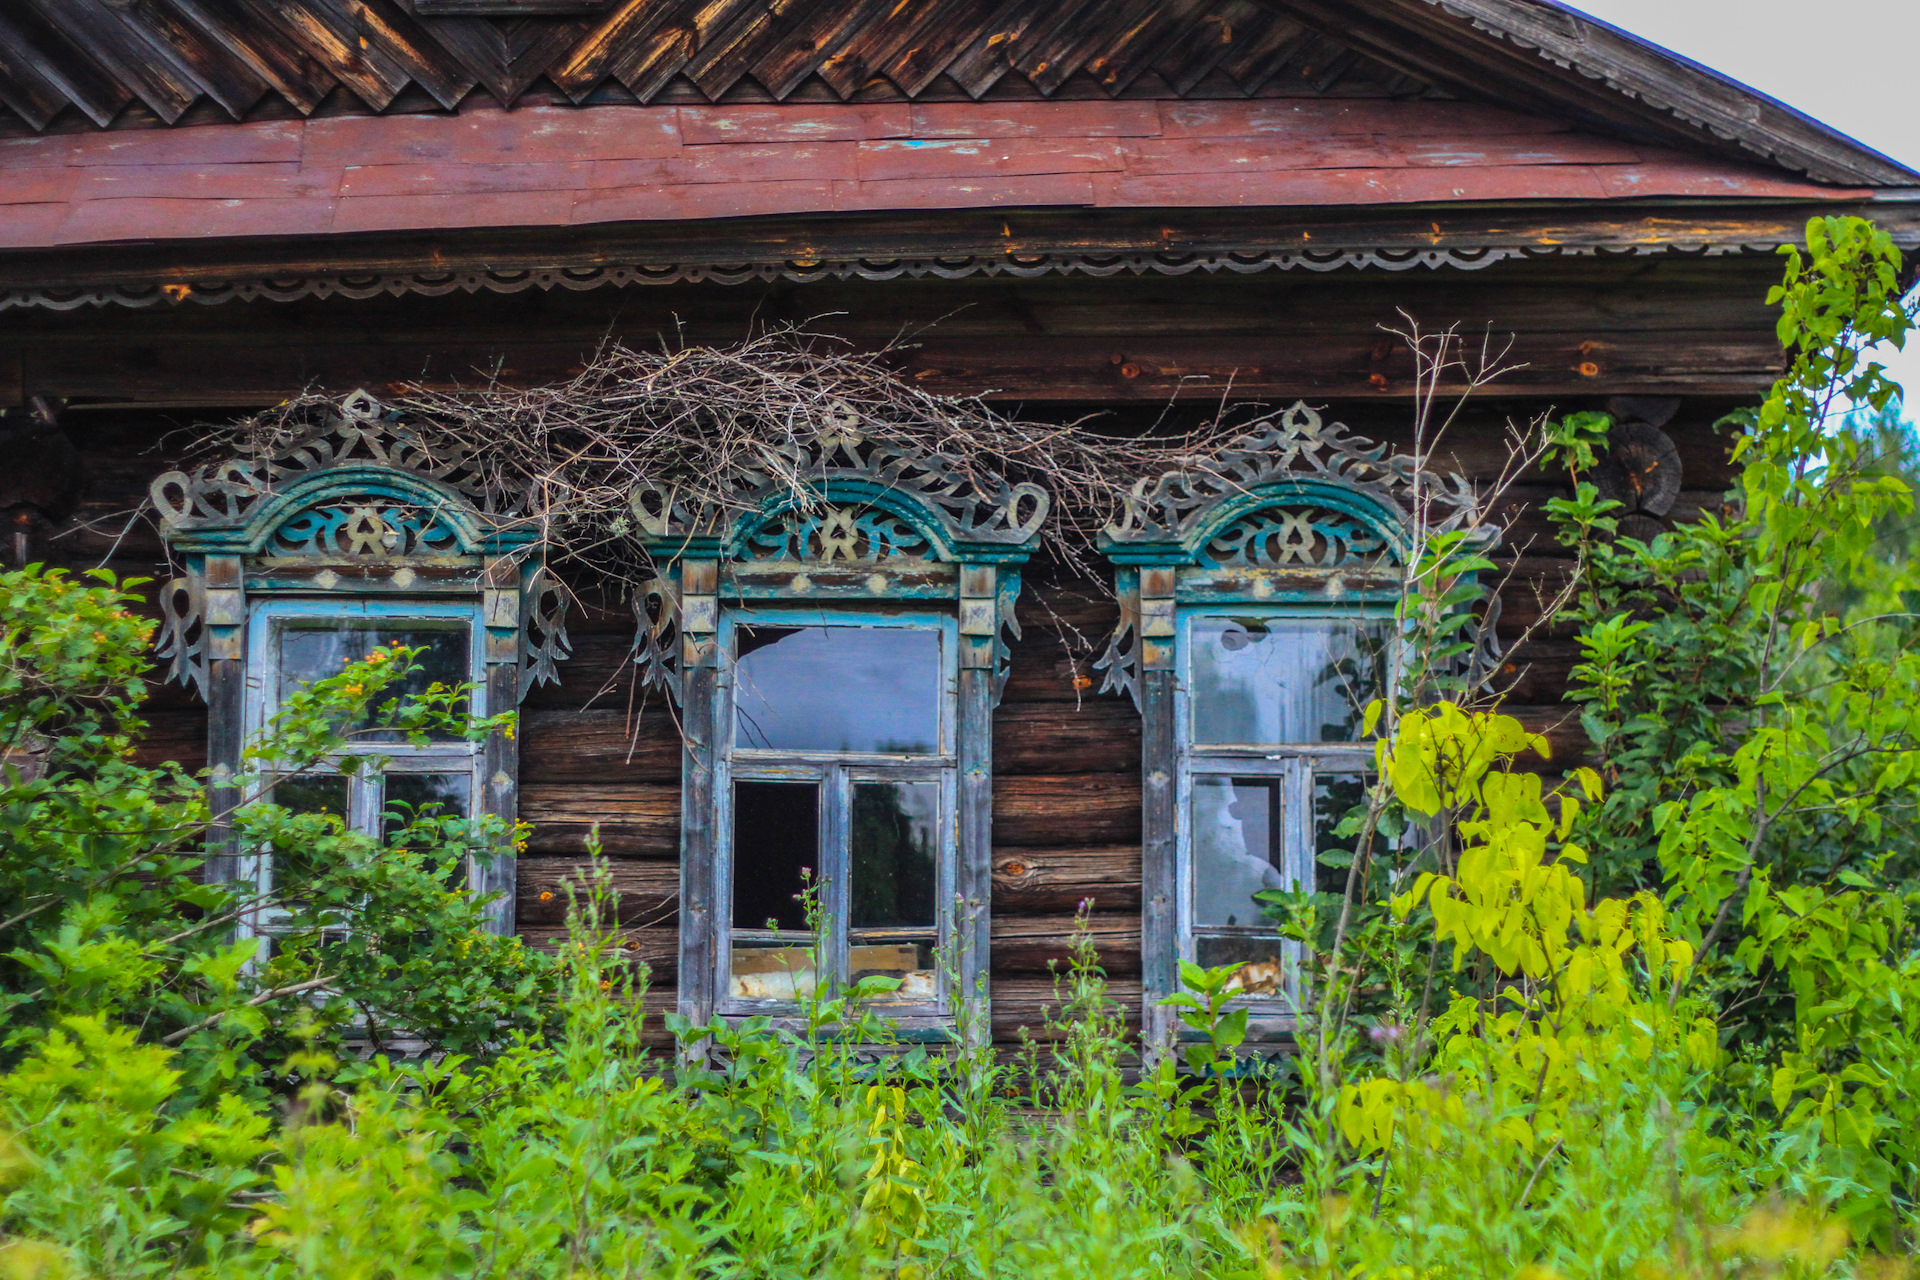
(558, 166)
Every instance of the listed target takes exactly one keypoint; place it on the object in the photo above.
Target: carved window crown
(361, 502)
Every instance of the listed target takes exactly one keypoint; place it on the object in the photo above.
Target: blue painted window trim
(1296, 764)
(836, 771)
(267, 616)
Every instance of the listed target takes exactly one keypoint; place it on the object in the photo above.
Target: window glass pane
(423, 795)
(1262, 971)
(873, 689)
(759, 969)
(776, 836)
(894, 839)
(1334, 795)
(308, 793)
(1236, 849)
(1261, 679)
(313, 793)
(314, 649)
(910, 962)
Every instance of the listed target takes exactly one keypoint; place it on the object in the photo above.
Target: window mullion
(836, 805)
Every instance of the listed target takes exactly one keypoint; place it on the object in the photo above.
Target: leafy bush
(1651, 1019)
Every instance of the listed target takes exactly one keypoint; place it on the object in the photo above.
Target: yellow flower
(546, 895)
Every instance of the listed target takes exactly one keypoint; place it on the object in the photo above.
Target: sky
(1847, 63)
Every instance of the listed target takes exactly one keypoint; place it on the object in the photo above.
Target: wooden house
(1140, 209)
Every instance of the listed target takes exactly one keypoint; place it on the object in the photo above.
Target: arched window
(1258, 598)
(833, 631)
(299, 561)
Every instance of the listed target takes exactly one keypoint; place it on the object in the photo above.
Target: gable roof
(117, 62)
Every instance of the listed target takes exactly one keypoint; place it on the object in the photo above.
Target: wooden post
(501, 607)
(1159, 772)
(225, 621)
(699, 843)
(973, 876)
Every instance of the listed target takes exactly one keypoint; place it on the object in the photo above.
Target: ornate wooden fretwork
(1295, 445)
(1297, 508)
(1299, 512)
(833, 519)
(361, 506)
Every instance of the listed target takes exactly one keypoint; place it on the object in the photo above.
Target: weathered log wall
(595, 753)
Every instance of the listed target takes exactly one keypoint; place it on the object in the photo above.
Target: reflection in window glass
(908, 963)
(423, 795)
(314, 651)
(763, 969)
(776, 837)
(1236, 849)
(313, 793)
(1275, 680)
(1334, 796)
(893, 837)
(1262, 964)
(867, 689)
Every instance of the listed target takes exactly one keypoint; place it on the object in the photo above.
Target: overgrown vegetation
(1656, 1018)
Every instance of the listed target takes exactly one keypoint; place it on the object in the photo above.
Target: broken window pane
(312, 651)
(776, 838)
(1262, 968)
(1236, 849)
(894, 838)
(866, 689)
(1272, 680)
(412, 796)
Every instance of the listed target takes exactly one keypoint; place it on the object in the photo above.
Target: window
(294, 642)
(838, 768)
(1267, 718)
(1256, 603)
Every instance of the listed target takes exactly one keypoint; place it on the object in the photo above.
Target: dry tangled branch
(567, 455)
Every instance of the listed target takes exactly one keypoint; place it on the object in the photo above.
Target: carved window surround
(840, 527)
(359, 510)
(1299, 520)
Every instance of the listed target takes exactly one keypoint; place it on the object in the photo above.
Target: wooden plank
(802, 46)
(636, 819)
(923, 160)
(604, 745)
(1078, 120)
(1159, 861)
(235, 27)
(796, 123)
(1097, 735)
(1050, 811)
(647, 891)
(326, 29)
(986, 53)
(1030, 944)
(1033, 881)
(137, 59)
(65, 63)
(594, 57)
(658, 948)
(926, 50)
(24, 86)
(1023, 1004)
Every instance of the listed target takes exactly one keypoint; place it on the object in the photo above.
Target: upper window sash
(729, 691)
(269, 618)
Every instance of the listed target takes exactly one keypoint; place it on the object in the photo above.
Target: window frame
(836, 773)
(267, 619)
(1298, 766)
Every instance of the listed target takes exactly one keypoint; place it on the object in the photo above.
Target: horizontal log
(600, 745)
(658, 947)
(173, 736)
(1099, 735)
(1030, 944)
(639, 819)
(1029, 1005)
(1057, 880)
(1058, 810)
(645, 891)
